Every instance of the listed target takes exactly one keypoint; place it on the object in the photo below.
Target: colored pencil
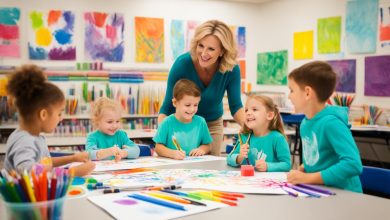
(157, 202)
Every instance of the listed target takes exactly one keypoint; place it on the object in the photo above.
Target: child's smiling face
(109, 121)
(186, 107)
(256, 114)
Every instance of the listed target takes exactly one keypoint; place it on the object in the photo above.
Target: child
(264, 144)
(183, 133)
(40, 105)
(330, 155)
(108, 141)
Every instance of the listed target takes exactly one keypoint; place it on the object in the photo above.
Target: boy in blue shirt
(183, 133)
(330, 155)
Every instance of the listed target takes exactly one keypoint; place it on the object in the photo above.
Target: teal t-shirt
(274, 145)
(98, 140)
(329, 148)
(189, 135)
(210, 106)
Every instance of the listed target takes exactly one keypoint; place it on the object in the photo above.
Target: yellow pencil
(177, 145)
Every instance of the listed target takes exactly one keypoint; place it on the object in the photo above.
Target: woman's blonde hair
(276, 123)
(101, 104)
(225, 36)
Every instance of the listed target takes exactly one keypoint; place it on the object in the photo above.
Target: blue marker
(157, 202)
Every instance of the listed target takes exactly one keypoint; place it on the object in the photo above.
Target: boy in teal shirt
(330, 155)
(183, 133)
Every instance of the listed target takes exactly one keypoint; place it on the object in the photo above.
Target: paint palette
(76, 192)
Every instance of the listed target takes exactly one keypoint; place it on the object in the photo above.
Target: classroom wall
(269, 27)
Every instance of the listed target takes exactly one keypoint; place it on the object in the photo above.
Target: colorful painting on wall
(149, 38)
(51, 35)
(190, 32)
(104, 38)
(361, 26)
(272, 68)
(377, 76)
(177, 38)
(384, 25)
(240, 35)
(9, 32)
(329, 35)
(303, 45)
(346, 75)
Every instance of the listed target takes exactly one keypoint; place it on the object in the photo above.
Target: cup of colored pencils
(343, 99)
(38, 194)
(371, 114)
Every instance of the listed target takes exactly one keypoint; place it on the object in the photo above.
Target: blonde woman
(211, 64)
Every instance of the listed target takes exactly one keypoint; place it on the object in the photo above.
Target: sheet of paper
(120, 206)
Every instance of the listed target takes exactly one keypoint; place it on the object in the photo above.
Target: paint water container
(247, 170)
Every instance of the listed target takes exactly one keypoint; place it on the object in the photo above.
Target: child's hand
(178, 155)
(115, 150)
(197, 152)
(84, 169)
(81, 157)
(296, 176)
(261, 165)
(244, 149)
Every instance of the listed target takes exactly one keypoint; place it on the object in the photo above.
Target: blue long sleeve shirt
(210, 106)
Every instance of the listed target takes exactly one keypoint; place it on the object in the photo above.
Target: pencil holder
(45, 210)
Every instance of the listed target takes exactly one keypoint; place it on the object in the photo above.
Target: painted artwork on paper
(303, 45)
(147, 162)
(361, 26)
(329, 35)
(272, 68)
(9, 32)
(346, 75)
(51, 35)
(104, 36)
(377, 76)
(384, 23)
(149, 38)
(223, 180)
(240, 36)
(177, 38)
(242, 64)
(190, 32)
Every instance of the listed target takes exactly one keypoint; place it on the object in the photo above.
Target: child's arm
(201, 150)
(84, 169)
(283, 160)
(349, 163)
(129, 148)
(130, 152)
(296, 176)
(77, 157)
(163, 151)
(236, 157)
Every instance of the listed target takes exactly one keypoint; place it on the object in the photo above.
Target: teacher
(211, 64)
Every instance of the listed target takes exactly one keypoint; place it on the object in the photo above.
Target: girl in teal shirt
(109, 141)
(263, 143)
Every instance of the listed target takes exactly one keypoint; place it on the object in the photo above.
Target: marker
(168, 197)
(205, 195)
(171, 187)
(289, 191)
(296, 188)
(157, 202)
(186, 195)
(316, 189)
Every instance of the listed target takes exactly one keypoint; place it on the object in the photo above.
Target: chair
(144, 150)
(295, 121)
(376, 181)
(229, 148)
